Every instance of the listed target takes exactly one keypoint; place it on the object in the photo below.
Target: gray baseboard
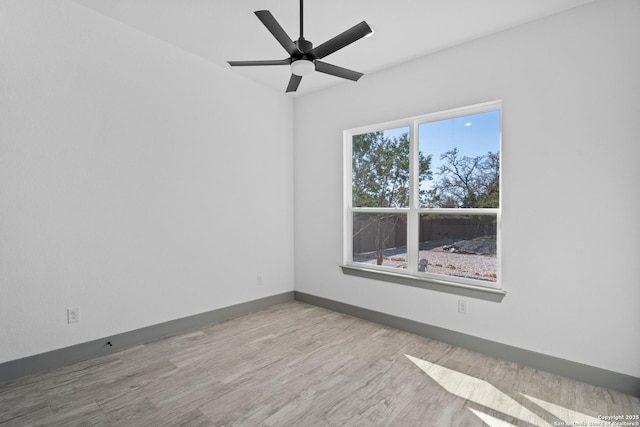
(38, 363)
(65, 356)
(565, 368)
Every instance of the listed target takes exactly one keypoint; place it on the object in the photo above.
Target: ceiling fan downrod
(303, 45)
(301, 20)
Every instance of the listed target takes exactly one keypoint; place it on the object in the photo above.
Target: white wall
(138, 182)
(571, 144)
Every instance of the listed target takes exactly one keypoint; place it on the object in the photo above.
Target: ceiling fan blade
(334, 70)
(294, 82)
(278, 32)
(341, 40)
(254, 63)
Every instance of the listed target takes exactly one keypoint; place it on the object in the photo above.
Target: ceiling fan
(303, 58)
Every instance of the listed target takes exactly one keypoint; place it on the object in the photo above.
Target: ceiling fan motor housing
(303, 64)
(304, 45)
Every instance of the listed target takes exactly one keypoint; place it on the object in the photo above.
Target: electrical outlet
(73, 315)
(259, 280)
(462, 306)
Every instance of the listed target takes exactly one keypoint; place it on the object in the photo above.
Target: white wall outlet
(73, 315)
(462, 306)
(259, 281)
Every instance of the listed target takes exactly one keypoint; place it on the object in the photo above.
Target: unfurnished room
(319, 213)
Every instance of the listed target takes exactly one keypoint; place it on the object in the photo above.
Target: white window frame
(411, 275)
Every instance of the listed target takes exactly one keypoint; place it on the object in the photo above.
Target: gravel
(442, 260)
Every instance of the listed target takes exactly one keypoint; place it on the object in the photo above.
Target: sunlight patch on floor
(565, 414)
(477, 391)
(490, 420)
(485, 394)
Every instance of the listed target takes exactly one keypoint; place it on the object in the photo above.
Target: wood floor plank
(25, 418)
(297, 364)
(81, 414)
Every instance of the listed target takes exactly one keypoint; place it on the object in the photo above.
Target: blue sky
(473, 135)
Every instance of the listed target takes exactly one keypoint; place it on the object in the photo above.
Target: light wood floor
(298, 365)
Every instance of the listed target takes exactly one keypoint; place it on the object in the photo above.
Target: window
(422, 197)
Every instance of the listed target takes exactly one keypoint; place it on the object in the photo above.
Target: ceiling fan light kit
(302, 67)
(303, 58)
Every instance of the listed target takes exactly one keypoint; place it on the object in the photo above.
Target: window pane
(459, 246)
(381, 168)
(380, 239)
(460, 162)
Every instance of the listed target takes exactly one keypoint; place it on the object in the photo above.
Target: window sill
(471, 291)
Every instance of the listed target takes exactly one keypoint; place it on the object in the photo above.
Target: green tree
(469, 182)
(380, 167)
(490, 197)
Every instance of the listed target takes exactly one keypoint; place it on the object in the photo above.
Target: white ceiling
(222, 30)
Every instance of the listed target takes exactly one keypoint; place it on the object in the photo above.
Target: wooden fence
(392, 231)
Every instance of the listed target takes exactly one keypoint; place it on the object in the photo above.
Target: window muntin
(409, 180)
